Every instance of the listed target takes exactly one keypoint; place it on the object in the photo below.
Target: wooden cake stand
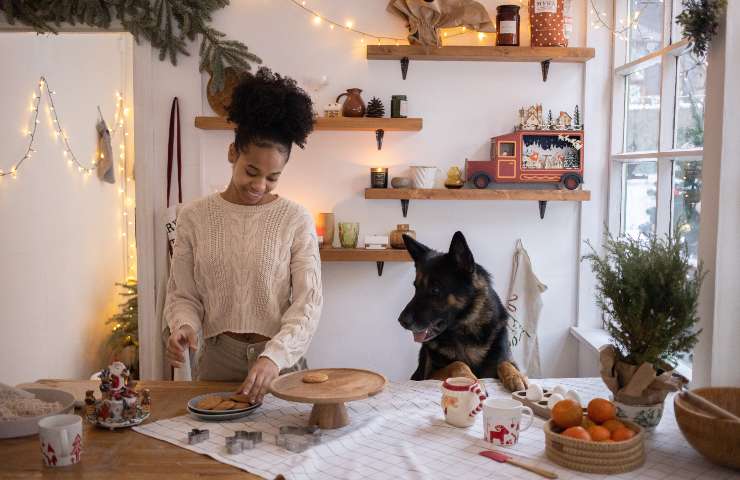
(343, 385)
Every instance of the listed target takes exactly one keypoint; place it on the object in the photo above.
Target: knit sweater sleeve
(299, 322)
(183, 303)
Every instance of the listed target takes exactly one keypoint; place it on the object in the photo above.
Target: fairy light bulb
(317, 20)
(349, 24)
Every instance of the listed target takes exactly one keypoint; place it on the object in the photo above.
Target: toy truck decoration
(531, 156)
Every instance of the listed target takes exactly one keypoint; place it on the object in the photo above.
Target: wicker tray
(596, 457)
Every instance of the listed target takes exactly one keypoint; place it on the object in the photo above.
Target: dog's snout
(406, 319)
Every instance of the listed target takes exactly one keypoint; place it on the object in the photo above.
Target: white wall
(463, 105)
(60, 241)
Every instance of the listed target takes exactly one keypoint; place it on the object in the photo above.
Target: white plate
(195, 400)
(25, 426)
(222, 417)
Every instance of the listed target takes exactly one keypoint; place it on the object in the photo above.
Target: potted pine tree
(648, 293)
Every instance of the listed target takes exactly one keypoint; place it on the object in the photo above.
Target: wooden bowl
(595, 457)
(716, 439)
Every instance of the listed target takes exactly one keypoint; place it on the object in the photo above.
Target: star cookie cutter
(298, 439)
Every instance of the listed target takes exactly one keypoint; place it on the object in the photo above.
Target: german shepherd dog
(457, 317)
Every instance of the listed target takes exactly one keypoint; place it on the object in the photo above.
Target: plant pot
(646, 416)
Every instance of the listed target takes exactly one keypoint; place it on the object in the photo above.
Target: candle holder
(379, 177)
(325, 229)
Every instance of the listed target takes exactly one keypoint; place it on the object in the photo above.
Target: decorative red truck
(531, 156)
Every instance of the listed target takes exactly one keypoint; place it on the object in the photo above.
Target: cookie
(239, 397)
(225, 405)
(315, 377)
(209, 402)
(240, 405)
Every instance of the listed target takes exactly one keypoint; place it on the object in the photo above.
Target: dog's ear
(416, 250)
(461, 254)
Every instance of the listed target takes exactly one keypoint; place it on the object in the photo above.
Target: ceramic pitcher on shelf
(353, 106)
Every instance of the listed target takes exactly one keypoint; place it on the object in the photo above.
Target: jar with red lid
(507, 25)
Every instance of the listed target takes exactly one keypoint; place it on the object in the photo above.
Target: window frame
(668, 58)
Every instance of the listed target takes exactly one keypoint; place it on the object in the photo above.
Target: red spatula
(503, 458)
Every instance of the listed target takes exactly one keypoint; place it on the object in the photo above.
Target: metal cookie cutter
(242, 440)
(298, 439)
(197, 436)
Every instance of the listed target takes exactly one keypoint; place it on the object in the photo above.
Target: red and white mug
(502, 419)
(462, 400)
(61, 440)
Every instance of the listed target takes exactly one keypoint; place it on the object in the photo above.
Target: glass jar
(507, 25)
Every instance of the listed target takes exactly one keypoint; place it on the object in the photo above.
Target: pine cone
(375, 108)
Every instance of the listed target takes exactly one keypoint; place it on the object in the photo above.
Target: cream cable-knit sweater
(247, 269)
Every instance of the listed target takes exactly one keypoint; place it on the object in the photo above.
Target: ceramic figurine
(146, 400)
(119, 405)
(454, 178)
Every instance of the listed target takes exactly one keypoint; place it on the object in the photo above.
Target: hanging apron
(524, 303)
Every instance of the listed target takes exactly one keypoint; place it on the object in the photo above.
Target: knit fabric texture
(247, 269)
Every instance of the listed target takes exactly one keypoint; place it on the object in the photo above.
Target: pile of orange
(599, 425)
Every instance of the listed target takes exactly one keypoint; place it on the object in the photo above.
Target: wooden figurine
(89, 402)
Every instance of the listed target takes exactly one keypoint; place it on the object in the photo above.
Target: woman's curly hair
(269, 109)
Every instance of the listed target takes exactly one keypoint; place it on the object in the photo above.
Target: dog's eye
(434, 291)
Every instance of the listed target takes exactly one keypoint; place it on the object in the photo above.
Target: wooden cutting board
(76, 388)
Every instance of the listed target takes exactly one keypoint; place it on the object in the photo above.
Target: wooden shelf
(542, 55)
(540, 195)
(355, 124)
(480, 53)
(365, 255)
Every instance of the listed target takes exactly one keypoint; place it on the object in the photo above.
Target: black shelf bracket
(380, 266)
(379, 134)
(545, 64)
(543, 206)
(405, 206)
(404, 66)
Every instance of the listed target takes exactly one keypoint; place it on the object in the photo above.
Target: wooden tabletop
(124, 453)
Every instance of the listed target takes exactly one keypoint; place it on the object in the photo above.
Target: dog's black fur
(457, 306)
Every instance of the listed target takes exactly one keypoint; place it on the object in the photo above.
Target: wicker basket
(595, 457)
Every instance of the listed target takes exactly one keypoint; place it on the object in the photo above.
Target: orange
(612, 425)
(622, 433)
(577, 432)
(567, 413)
(587, 423)
(599, 434)
(601, 410)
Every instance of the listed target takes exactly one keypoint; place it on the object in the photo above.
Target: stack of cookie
(220, 406)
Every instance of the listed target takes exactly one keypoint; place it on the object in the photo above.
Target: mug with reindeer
(462, 400)
(502, 419)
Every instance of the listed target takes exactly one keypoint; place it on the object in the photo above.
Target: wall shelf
(540, 195)
(365, 255)
(542, 55)
(347, 124)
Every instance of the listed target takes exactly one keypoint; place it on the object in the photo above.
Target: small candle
(379, 177)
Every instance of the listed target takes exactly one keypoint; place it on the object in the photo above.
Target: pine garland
(649, 294)
(167, 24)
(700, 22)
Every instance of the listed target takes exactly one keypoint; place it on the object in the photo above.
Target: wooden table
(125, 453)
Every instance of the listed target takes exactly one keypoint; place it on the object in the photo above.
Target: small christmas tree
(549, 119)
(576, 118)
(375, 108)
(125, 334)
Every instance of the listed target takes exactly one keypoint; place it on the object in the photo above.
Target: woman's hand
(258, 381)
(179, 340)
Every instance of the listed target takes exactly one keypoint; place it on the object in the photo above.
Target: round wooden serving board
(343, 385)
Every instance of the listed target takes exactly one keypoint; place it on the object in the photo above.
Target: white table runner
(401, 434)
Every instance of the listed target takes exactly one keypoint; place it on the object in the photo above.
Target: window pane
(639, 189)
(647, 36)
(687, 203)
(690, 93)
(642, 110)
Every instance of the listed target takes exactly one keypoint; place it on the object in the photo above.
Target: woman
(245, 269)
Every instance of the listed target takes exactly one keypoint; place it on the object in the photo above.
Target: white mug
(423, 177)
(462, 400)
(61, 440)
(502, 419)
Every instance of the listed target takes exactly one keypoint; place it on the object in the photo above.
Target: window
(657, 135)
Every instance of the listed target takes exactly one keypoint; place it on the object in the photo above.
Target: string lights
(631, 22)
(126, 183)
(318, 19)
